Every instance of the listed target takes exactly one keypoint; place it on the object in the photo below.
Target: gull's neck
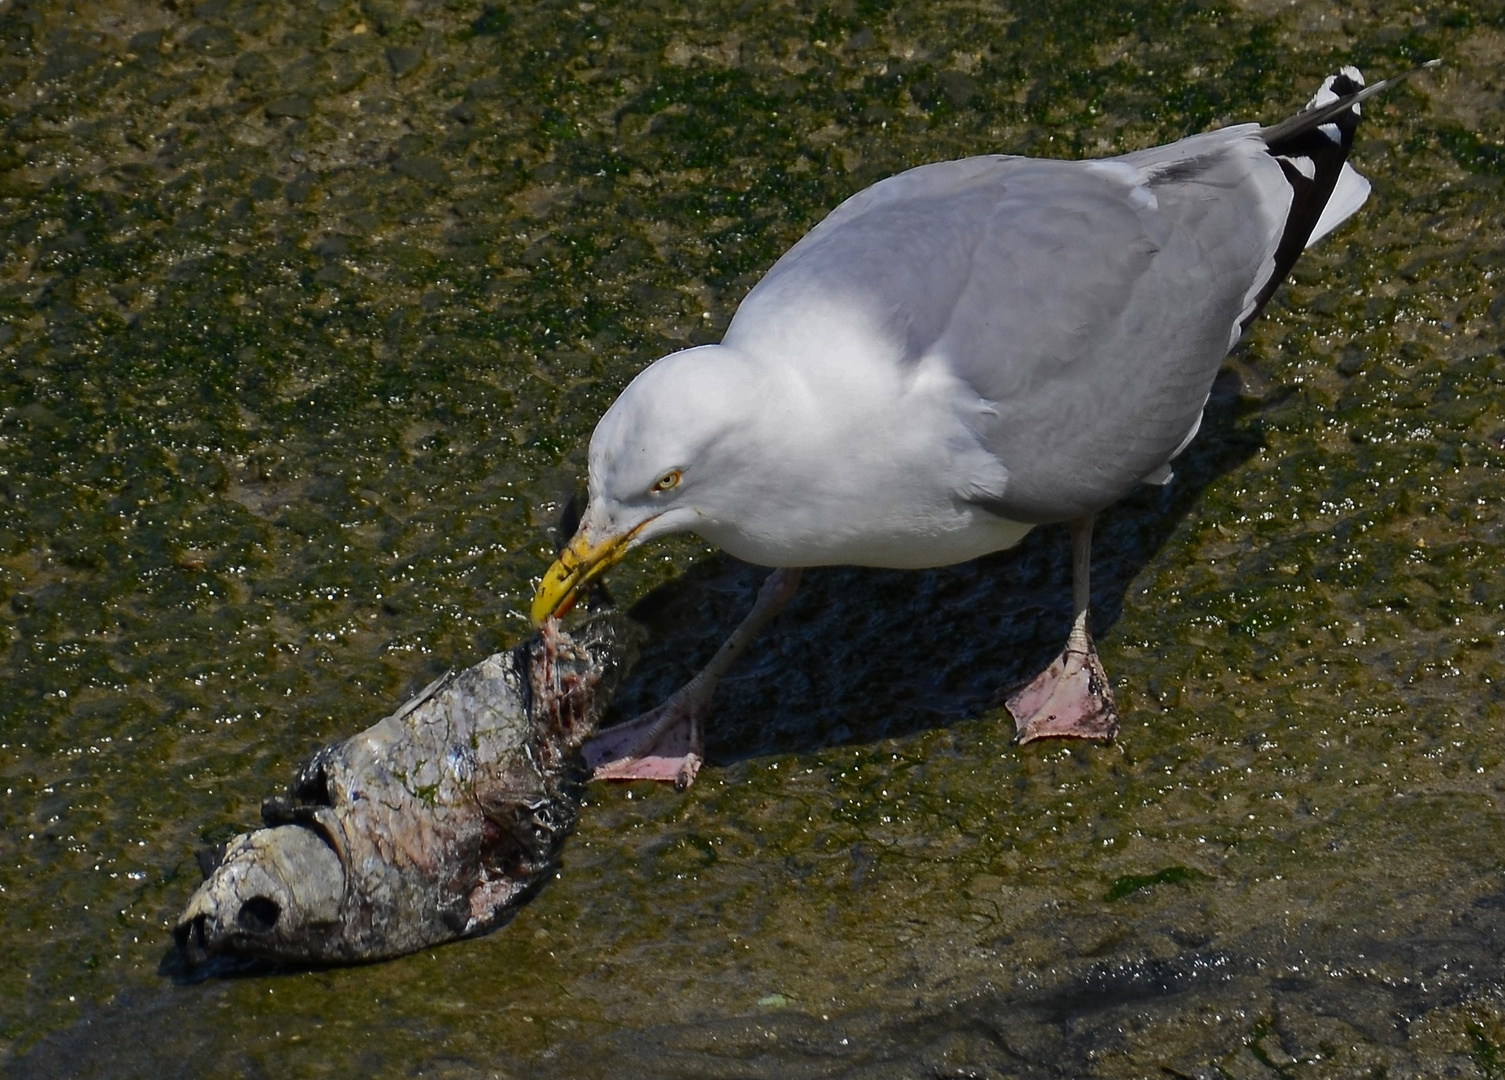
(843, 452)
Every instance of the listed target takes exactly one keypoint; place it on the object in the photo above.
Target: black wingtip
(1312, 155)
(1334, 111)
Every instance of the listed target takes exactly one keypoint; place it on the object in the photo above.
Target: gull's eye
(668, 482)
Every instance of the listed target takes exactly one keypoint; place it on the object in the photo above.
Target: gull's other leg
(668, 743)
(1071, 699)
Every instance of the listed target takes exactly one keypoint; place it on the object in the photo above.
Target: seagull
(955, 355)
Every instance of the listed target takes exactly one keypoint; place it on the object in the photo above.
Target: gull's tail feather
(1312, 149)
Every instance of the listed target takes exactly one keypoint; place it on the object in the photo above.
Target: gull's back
(1087, 304)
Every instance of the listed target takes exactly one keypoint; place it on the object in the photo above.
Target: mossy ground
(306, 312)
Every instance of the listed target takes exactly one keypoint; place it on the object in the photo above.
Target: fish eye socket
(668, 481)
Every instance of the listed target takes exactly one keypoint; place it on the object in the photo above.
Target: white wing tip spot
(1326, 95)
(1304, 165)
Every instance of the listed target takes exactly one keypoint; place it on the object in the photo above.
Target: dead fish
(436, 823)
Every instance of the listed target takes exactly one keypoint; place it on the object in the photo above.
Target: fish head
(276, 895)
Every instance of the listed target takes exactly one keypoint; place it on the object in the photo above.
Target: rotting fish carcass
(436, 823)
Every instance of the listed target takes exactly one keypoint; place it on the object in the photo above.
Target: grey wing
(1088, 304)
(1095, 325)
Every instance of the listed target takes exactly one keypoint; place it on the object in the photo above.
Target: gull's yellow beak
(577, 566)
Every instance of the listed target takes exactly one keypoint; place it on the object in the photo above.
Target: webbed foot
(665, 744)
(1071, 699)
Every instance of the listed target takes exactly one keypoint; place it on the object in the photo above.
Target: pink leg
(1072, 698)
(668, 743)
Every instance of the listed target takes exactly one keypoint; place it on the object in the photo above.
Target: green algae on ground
(305, 315)
(1133, 883)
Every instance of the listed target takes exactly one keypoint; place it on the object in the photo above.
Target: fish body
(436, 823)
